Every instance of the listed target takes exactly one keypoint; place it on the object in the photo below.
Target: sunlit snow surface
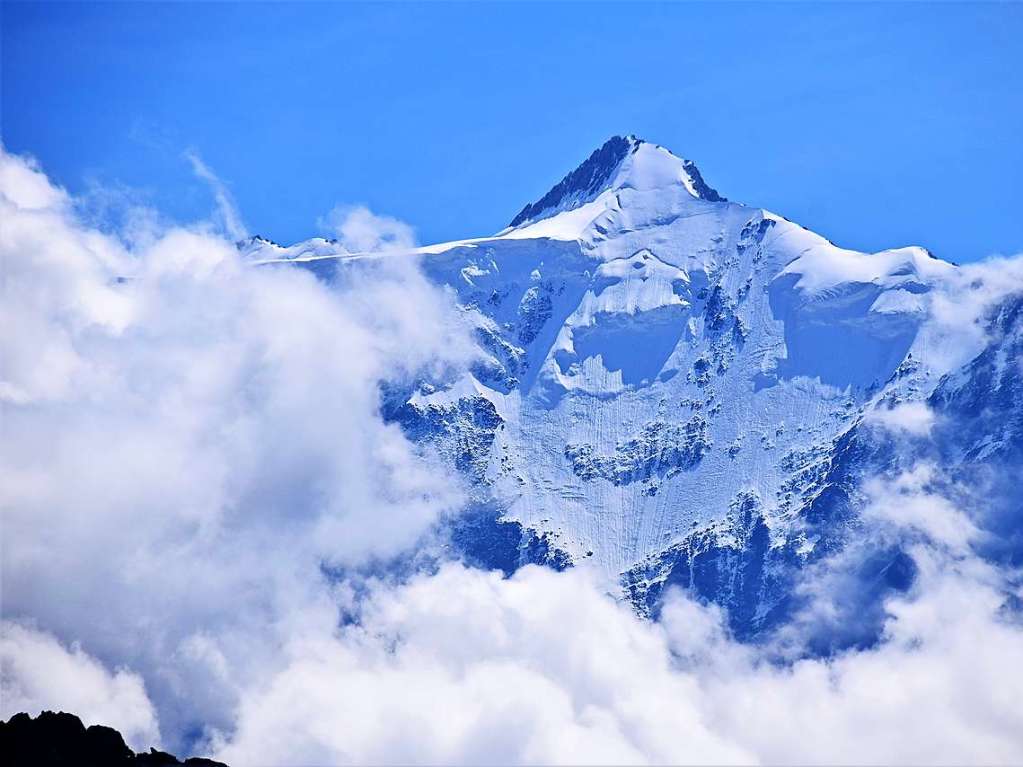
(661, 361)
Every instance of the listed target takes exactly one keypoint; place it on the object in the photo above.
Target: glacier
(678, 389)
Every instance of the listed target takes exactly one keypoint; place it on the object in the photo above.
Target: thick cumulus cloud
(187, 440)
(464, 667)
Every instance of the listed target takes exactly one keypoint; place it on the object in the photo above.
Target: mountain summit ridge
(603, 171)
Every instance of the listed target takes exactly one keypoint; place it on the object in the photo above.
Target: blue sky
(875, 125)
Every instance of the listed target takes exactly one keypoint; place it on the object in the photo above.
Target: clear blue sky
(875, 125)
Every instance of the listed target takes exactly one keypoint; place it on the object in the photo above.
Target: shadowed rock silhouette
(57, 739)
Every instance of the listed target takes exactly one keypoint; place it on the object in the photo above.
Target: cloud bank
(466, 668)
(188, 440)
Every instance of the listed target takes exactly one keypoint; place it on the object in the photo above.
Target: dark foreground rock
(53, 739)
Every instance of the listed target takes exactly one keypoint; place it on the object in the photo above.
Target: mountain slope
(675, 385)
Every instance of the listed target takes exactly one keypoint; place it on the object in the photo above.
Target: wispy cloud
(227, 210)
(360, 230)
(910, 418)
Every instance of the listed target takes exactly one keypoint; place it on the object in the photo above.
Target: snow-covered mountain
(680, 389)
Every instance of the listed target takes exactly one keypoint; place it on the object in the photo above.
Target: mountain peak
(607, 169)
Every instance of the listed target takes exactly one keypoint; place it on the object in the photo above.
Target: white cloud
(960, 306)
(227, 210)
(186, 440)
(933, 691)
(913, 418)
(466, 668)
(25, 187)
(40, 674)
(905, 503)
(360, 230)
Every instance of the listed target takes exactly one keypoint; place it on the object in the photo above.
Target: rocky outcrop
(60, 739)
(660, 449)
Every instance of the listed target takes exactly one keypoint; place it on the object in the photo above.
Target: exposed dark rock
(590, 178)
(464, 430)
(586, 180)
(482, 538)
(703, 189)
(59, 739)
(659, 449)
(739, 571)
(534, 311)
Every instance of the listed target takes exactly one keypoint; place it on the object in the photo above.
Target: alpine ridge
(604, 170)
(680, 389)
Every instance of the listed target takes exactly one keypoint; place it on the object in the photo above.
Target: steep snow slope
(673, 381)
